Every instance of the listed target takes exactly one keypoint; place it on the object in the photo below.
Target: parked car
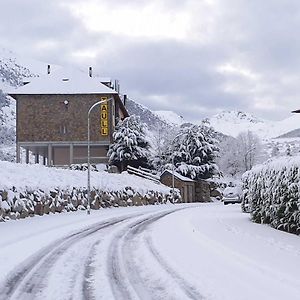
(232, 195)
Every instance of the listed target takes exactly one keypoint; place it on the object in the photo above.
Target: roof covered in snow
(177, 175)
(65, 81)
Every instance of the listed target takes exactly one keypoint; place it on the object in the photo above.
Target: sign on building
(104, 117)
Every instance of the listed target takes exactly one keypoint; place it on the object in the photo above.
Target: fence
(144, 173)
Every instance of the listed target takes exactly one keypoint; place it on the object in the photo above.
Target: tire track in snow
(190, 290)
(126, 281)
(27, 280)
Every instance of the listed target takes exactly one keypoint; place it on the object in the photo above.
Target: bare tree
(249, 148)
(240, 154)
(161, 139)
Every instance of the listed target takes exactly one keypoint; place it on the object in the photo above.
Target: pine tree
(130, 146)
(194, 151)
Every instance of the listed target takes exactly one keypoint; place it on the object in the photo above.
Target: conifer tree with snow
(130, 146)
(194, 151)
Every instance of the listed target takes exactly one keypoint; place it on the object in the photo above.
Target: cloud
(40, 29)
(194, 57)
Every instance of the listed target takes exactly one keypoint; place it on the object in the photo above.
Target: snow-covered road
(202, 251)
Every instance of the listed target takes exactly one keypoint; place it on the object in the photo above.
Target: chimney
(48, 69)
(124, 100)
(117, 86)
(90, 72)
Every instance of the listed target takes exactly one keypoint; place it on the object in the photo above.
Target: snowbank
(271, 193)
(34, 189)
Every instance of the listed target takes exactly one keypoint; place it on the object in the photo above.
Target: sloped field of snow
(34, 177)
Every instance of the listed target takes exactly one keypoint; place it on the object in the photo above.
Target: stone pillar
(18, 153)
(49, 155)
(37, 157)
(27, 156)
(71, 153)
(44, 160)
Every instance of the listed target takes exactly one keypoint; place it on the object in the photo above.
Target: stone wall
(202, 191)
(16, 205)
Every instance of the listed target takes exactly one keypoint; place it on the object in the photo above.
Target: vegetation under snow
(271, 193)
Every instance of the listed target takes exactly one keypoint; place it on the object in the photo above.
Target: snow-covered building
(52, 117)
(190, 190)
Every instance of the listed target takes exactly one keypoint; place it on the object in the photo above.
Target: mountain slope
(12, 73)
(169, 117)
(234, 122)
(13, 69)
(152, 119)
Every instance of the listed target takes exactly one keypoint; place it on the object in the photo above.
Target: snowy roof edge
(179, 176)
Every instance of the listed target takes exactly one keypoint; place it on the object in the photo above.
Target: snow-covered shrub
(271, 193)
(83, 167)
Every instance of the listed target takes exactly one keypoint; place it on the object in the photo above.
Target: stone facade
(42, 118)
(54, 126)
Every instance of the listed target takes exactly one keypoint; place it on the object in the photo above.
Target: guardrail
(143, 173)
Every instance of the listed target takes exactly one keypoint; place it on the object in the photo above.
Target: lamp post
(88, 154)
(173, 177)
(173, 166)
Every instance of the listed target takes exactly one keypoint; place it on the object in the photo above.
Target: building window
(63, 129)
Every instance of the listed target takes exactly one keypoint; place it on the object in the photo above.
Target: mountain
(169, 117)
(234, 122)
(13, 70)
(155, 120)
(291, 134)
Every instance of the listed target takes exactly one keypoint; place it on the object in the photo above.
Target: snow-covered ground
(197, 251)
(35, 177)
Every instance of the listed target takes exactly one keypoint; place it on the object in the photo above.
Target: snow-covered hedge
(26, 190)
(271, 193)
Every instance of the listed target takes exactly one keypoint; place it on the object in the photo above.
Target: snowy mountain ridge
(234, 122)
(13, 69)
(237, 117)
(155, 120)
(170, 117)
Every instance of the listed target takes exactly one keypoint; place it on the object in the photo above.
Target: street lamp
(88, 156)
(173, 166)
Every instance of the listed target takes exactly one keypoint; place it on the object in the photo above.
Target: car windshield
(231, 192)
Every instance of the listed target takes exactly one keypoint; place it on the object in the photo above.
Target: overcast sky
(196, 57)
